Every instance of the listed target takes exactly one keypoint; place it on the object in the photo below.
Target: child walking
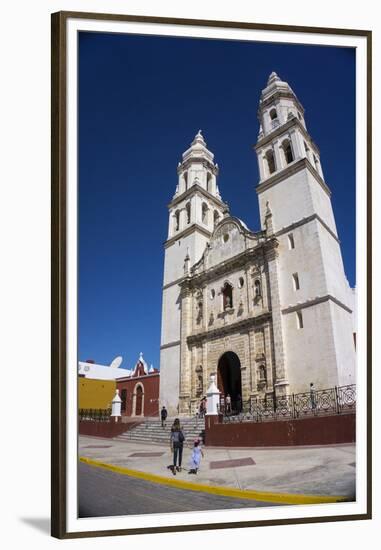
(195, 457)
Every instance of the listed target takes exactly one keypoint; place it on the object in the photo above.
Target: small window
(188, 209)
(291, 242)
(287, 149)
(212, 294)
(299, 319)
(273, 114)
(295, 278)
(204, 213)
(270, 161)
(186, 180)
(306, 148)
(226, 237)
(177, 220)
(240, 282)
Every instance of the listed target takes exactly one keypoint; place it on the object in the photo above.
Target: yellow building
(95, 394)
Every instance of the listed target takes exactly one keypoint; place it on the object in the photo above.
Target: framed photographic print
(211, 298)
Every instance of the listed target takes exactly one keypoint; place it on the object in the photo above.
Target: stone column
(261, 166)
(253, 384)
(268, 351)
(300, 141)
(185, 354)
(295, 145)
(204, 367)
(280, 382)
(278, 159)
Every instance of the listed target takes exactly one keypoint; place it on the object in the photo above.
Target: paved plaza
(278, 475)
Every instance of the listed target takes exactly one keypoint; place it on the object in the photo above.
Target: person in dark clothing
(312, 396)
(163, 414)
(239, 404)
(177, 442)
(202, 408)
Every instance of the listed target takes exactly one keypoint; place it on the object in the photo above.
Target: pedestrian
(312, 396)
(222, 403)
(239, 404)
(177, 442)
(163, 414)
(204, 405)
(228, 404)
(202, 408)
(195, 457)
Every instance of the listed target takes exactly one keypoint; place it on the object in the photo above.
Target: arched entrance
(138, 398)
(229, 378)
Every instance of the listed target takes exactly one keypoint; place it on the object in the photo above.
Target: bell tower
(194, 210)
(314, 306)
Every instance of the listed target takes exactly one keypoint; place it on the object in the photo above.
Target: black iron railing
(95, 415)
(337, 400)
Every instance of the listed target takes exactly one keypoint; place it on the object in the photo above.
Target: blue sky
(141, 101)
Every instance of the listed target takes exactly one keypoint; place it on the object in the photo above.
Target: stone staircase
(151, 431)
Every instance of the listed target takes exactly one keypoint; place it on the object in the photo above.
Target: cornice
(293, 168)
(244, 324)
(304, 221)
(141, 377)
(314, 302)
(207, 163)
(170, 344)
(268, 99)
(267, 247)
(188, 231)
(172, 283)
(262, 142)
(191, 191)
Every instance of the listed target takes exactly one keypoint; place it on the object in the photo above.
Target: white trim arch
(134, 393)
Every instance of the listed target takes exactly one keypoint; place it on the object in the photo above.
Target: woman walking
(177, 443)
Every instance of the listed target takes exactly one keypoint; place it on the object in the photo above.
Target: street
(104, 493)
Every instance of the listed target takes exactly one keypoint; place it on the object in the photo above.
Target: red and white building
(139, 390)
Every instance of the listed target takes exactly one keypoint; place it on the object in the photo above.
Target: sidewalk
(318, 471)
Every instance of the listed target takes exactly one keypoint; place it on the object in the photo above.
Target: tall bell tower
(314, 306)
(193, 212)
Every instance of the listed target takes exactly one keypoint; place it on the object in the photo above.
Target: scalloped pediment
(227, 241)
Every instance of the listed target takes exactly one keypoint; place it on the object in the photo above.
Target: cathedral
(268, 312)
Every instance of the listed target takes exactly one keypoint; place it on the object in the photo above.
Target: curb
(278, 498)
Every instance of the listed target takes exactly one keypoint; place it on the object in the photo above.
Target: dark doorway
(229, 379)
(139, 401)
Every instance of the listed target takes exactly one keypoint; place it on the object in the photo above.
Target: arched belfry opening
(229, 378)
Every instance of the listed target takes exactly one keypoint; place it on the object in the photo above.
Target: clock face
(87, 368)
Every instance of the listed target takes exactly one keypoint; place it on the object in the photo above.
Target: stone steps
(151, 431)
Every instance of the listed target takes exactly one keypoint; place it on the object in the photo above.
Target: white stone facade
(268, 311)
